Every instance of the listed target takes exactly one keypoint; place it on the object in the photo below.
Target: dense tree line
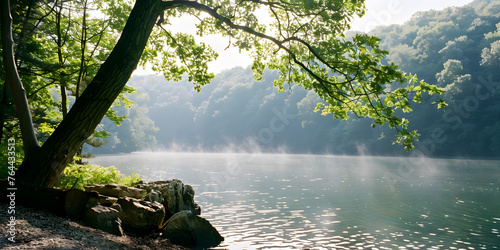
(458, 49)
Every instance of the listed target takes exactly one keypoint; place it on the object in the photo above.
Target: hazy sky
(379, 12)
(386, 12)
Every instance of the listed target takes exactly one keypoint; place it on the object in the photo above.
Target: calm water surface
(333, 202)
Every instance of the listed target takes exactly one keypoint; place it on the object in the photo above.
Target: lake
(266, 201)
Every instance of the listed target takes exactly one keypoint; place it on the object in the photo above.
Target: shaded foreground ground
(37, 229)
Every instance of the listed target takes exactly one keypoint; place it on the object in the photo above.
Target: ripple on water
(334, 207)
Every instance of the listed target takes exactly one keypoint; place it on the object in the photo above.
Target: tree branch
(280, 44)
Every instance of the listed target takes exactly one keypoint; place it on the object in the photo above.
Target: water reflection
(325, 202)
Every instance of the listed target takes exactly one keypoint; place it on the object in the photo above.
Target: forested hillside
(457, 49)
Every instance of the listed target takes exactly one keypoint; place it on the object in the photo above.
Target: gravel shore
(35, 229)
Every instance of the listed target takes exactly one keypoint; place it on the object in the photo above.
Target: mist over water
(250, 145)
(260, 201)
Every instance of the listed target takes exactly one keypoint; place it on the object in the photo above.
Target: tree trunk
(60, 44)
(3, 107)
(44, 166)
(83, 45)
(13, 80)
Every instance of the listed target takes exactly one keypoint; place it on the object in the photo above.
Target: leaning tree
(302, 39)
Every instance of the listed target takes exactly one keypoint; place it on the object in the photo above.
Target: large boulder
(140, 216)
(187, 229)
(104, 218)
(173, 194)
(179, 197)
(118, 191)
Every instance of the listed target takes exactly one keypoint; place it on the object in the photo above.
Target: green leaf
(111, 115)
(101, 134)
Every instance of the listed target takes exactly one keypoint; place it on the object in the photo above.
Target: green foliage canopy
(60, 46)
(305, 42)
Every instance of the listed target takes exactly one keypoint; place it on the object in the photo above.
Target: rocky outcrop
(141, 216)
(173, 194)
(187, 229)
(82, 205)
(161, 206)
(109, 208)
(104, 218)
(118, 191)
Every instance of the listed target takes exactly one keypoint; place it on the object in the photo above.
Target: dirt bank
(37, 229)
